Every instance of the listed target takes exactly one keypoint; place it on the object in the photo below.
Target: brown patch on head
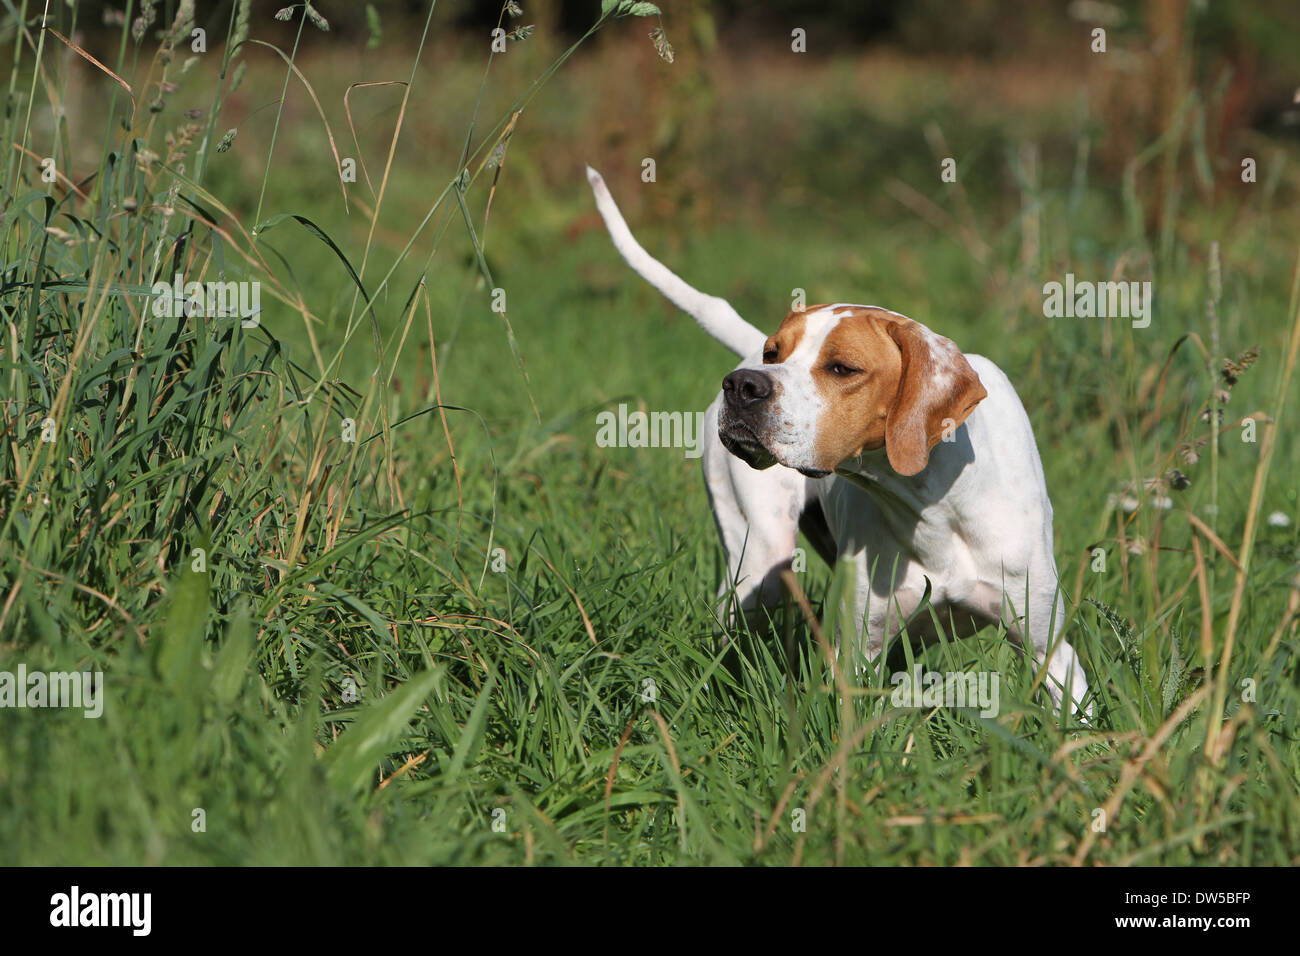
(856, 373)
(887, 380)
(786, 338)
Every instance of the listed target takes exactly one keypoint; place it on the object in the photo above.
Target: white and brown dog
(891, 450)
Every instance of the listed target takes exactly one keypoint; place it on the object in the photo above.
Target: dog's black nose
(747, 386)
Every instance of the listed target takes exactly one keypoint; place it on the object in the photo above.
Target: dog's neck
(906, 497)
(895, 493)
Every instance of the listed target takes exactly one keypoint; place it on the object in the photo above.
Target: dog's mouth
(739, 439)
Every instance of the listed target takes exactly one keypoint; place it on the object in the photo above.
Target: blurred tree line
(1258, 39)
(1211, 75)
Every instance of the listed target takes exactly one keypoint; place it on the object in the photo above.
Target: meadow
(365, 590)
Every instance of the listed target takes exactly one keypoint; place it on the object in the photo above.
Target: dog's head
(840, 380)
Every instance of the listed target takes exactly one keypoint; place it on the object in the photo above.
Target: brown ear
(936, 384)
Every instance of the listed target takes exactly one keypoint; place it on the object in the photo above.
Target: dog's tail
(715, 316)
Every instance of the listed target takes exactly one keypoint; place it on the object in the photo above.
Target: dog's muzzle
(745, 395)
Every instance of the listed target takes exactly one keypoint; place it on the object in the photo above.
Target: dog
(893, 451)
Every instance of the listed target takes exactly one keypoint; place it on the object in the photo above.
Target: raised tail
(715, 316)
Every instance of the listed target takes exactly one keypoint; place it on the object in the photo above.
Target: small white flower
(1278, 520)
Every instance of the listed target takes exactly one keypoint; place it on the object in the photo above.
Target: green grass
(505, 716)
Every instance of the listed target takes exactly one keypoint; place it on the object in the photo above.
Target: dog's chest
(897, 540)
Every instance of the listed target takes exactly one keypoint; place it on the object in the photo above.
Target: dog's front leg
(757, 513)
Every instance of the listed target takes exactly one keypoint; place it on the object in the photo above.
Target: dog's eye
(842, 370)
(769, 356)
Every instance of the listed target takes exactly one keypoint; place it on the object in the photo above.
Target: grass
(473, 636)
